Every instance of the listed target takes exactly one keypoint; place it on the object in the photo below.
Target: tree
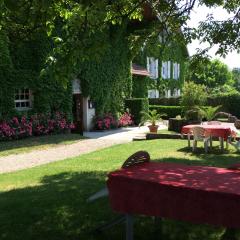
(210, 73)
(193, 95)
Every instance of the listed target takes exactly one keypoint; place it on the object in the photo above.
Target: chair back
(198, 133)
(137, 158)
(214, 123)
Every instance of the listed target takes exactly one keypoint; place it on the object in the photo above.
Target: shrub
(105, 122)
(125, 120)
(35, 125)
(136, 106)
(170, 111)
(193, 95)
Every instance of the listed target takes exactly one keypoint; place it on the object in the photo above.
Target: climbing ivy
(6, 79)
(168, 51)
(21, 64)
(107, 79)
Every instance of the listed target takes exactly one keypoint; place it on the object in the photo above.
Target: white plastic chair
(214, 123)
(199, 134)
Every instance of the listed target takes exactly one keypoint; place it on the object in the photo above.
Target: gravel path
(99, 140)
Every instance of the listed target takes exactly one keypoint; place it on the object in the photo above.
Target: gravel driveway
(99, 140)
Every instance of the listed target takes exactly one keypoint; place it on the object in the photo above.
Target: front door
(78, 113)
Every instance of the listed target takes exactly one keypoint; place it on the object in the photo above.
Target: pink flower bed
(109, 122)
(125, 120)
(36, 125)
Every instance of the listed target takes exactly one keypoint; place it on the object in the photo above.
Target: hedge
(165, 101)
(230, 103)
(170, 111)
(135, 106)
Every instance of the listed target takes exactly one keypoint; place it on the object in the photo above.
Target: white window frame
(153, 93)
(152, 67)
(23, 97)
(166, 70)
(176, 71)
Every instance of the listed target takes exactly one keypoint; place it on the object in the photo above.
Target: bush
(193, 95)
(125, 120)
(136, 106)
(170, 111)
(36, 125)
(105, 122)
(165, 101)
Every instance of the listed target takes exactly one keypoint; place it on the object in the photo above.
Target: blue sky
(199, 14)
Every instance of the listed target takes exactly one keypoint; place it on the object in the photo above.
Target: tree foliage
(236, 78)
(193, 95)
(210, 73)
(80, 31)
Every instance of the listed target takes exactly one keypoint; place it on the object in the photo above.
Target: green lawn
(166, 131)
(49, 202)
(37, 143)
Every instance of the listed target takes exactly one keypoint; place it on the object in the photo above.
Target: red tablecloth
(190, 193)
(222, 130)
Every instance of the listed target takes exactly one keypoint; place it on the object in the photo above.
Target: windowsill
(23, 109)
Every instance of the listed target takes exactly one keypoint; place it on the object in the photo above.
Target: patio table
(198, 194)
(221, 131)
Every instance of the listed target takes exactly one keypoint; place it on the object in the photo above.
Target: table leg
(189, 137)
(129, 227)
(158, 227)
(222, 144)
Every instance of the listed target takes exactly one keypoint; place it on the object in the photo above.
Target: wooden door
(78, 113)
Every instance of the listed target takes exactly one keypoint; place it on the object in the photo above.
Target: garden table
(222, 131)
(197, 194)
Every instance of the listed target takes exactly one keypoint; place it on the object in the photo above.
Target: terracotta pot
(153, 128)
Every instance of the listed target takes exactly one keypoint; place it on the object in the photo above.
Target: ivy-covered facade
(166, 63)
(24, 90)
(99, 85)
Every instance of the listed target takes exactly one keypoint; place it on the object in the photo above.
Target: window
(168, 93)
(23, 99)
(152, 67)
(176, 71)
(153, 93)
(166, 70)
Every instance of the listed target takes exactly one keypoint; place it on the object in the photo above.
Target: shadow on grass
(57, 209)
(33, 142)
(214, 160)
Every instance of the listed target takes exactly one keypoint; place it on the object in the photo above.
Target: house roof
(139, 70)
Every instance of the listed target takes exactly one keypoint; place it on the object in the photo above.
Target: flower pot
(153, 128)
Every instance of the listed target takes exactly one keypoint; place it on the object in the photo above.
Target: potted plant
(152, 116)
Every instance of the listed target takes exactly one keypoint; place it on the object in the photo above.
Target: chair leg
(189, 140)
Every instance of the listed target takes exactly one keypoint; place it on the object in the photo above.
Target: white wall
(88, 115)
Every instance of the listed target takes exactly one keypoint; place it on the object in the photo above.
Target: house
(100, 86)
(166, 64)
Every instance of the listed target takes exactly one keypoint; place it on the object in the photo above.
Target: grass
(166, 131)
(49, 201)
(37, 143)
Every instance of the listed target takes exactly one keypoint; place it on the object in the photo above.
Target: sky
(199, 14)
